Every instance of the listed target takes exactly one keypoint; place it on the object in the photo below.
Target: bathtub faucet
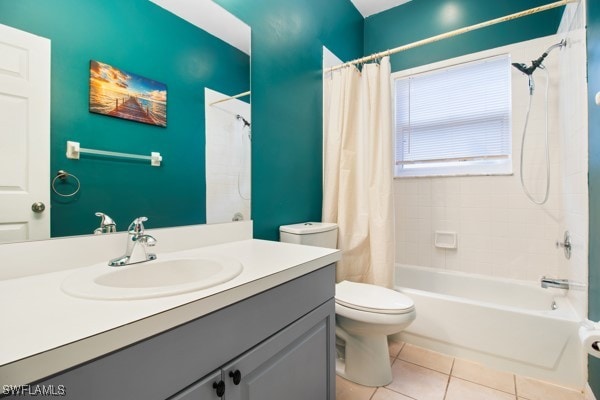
(554, 283)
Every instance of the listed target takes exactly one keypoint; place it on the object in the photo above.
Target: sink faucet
(107, 224)
(135, 236)
(554, 283)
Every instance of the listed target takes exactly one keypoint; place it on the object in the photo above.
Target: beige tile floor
(421, 374)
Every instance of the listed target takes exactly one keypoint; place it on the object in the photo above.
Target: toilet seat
(371, 298)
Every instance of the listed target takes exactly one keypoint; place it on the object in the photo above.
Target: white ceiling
(211, 17)
(370, 7)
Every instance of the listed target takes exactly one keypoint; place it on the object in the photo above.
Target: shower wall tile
(500, 232)
(573, 123)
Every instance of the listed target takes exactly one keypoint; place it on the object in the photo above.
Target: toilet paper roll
(590, 339)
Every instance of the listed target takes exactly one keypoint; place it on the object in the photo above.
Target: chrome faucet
(554, 283)
(107, 224)
(135, 236)
(566, 245)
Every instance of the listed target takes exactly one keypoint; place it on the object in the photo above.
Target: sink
(157, 278)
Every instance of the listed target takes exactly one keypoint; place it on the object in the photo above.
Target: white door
(24, 135)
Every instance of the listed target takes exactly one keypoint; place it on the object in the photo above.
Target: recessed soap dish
(446, 240)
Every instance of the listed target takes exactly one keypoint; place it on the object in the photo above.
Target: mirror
(197, 50)
(228, 139)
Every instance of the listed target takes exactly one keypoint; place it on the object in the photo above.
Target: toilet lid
(365, 297)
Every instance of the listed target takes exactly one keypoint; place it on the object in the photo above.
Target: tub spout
(554, 283)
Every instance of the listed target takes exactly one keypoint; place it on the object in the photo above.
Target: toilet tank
(321, 234)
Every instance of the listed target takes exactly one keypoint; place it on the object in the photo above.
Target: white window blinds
(453, 116)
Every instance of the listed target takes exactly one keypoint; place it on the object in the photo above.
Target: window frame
(479, 167)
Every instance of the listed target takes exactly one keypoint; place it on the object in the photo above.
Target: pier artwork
(121, 94)
(130, 108)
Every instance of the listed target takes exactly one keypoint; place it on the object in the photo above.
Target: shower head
(522, 67)
(528, 70)
(240, 118)
(538, 62)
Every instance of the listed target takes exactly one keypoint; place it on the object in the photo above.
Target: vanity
(267, 333)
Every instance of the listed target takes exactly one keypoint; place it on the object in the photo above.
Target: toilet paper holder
(589, 336)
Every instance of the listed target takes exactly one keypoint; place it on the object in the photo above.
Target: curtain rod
(456, 32)
(230, 98)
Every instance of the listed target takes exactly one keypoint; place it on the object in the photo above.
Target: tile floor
(421, 374)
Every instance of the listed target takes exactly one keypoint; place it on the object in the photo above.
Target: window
(455, 120)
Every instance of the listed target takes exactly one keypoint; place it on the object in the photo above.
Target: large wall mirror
(195, 49)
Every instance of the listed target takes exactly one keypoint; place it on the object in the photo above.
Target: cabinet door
(294, 364)
(202, 390)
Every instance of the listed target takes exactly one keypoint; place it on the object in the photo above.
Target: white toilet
(365, 314)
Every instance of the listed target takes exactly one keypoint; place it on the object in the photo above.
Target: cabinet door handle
(220, 388)
(236, 376)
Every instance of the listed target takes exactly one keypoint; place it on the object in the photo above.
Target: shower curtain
(358, 171)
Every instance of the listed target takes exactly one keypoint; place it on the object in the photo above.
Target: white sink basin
(150, 279)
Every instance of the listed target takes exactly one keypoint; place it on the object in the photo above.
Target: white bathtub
(505, 324)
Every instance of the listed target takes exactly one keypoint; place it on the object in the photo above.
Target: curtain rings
(382, 55)
(63, 176)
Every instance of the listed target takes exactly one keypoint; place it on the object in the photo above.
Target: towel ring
(63, 175)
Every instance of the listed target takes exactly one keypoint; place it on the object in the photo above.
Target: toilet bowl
(365, 316)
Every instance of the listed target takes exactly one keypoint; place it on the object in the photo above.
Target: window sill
(455, 175)
(477, 168)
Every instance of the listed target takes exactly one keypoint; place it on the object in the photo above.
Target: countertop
(46, 331)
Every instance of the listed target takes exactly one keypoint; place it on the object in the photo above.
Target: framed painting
(121, 94)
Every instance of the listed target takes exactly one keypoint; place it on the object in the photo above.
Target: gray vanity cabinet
(290, 365)
(281, 340)
(284, 368)
(205, 389)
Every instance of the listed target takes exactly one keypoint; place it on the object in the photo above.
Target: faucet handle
(566, 245)
(137, 226)
(107, 224)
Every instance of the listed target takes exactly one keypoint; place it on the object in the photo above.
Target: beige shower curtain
(358, 171)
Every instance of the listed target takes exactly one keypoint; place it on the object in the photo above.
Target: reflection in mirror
(188, 46)
(228, 137)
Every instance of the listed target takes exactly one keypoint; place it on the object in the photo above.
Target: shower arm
(537, 63)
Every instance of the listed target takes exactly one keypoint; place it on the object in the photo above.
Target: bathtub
(505, 324)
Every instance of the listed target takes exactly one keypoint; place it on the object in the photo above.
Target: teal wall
(286, 58)
(287, 37)
(593, 54)
(418, 20)
(142, 38)
(286, 65)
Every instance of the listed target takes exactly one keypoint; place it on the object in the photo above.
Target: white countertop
(46, 331)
